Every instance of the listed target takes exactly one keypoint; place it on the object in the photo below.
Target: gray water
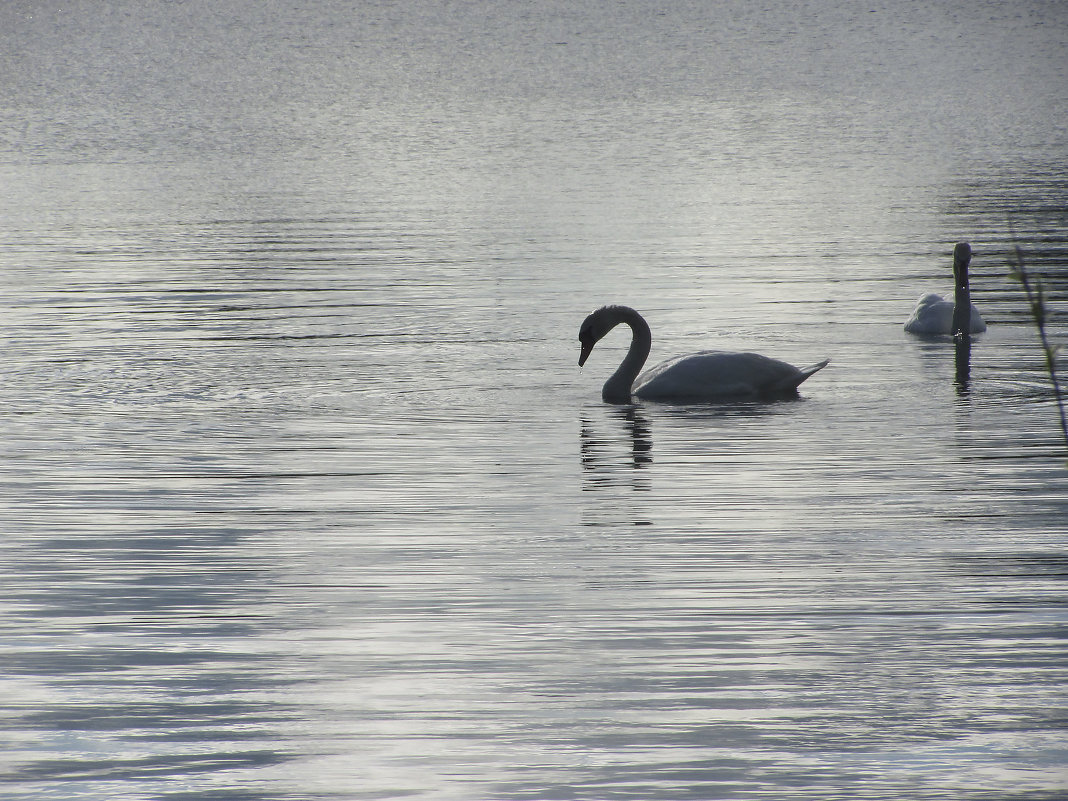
(304, 495)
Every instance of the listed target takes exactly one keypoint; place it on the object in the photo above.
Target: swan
(704, 376)
(933, 315)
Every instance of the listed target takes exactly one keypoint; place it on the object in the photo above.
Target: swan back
(933, 315)
(721, 375)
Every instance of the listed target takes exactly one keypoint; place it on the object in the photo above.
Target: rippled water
(304, 495)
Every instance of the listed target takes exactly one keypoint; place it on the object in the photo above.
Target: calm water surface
(304, 496)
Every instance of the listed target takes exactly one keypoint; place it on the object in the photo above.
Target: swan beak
(586, 348)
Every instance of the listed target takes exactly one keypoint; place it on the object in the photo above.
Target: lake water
(304, 496)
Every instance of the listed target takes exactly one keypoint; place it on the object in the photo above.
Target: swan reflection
(602, 454)
(933, 357)
(963, 359)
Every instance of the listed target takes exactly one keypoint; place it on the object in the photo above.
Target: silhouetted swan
(705, 376)
(933, 315)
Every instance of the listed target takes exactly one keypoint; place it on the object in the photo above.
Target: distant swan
(705, 376)
(933, 315)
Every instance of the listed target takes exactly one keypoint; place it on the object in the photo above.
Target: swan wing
(934, 315)
(711, 375)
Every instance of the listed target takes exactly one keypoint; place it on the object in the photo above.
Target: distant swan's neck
(962, 296)
(617, 388)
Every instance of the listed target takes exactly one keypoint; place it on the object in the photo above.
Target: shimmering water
(305, 497)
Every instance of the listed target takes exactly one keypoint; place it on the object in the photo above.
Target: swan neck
(617, 388)
(962, 299)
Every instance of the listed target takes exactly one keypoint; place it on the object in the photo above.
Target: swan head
(962, 256)
(594, 328)
(587, 338)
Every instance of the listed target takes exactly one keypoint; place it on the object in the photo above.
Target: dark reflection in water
(598, 461)
(1022, 565)
(962, 344)
(934, 350)
(615, 452)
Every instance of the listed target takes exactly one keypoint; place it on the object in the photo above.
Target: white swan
(705, 376)
(933, 315)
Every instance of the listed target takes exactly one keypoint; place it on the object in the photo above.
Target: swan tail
(793, 382)
(813, 368)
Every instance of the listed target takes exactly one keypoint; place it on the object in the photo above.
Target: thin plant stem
(1036, 300)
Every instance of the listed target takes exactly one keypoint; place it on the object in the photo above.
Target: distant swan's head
(962, 256)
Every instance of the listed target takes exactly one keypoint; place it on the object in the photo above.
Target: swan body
(934, 315)
(697, 377)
